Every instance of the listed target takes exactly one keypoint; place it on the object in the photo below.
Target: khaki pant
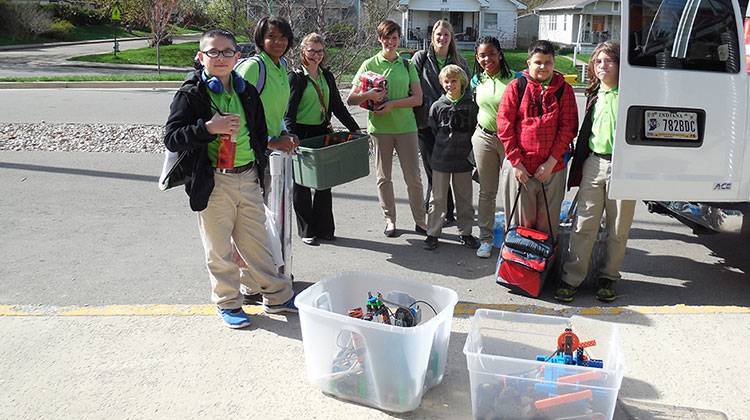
(405, 146)
(489, 155)
(441, 182)
(235, 213)
(531, 211)
(592, 203)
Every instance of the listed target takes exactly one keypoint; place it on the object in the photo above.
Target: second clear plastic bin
(508, 382)
(371, 363)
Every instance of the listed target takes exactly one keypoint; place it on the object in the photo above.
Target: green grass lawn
(581, 57)
(177, 55)
(151, 77)
(517, 61)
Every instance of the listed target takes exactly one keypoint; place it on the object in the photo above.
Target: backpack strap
(261, 71)
(521, 89)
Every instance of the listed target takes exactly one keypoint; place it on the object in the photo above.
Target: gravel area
(121, 138)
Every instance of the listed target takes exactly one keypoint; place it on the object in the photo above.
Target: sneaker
(390, 230)
(469, 242)
(252, 299)
(287, 306)
(485, 250)
(606, 292)
(565, 293)
(420, 230)
(449, 221)
(234, 318)
(430, 242)
(312, 241)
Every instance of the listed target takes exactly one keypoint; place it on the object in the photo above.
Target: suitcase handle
(546, 205)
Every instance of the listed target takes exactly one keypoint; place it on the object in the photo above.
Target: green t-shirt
(399, 120)
(229, 102)
(441, 62)
(310, 112)
(605, 117)
(276, 91)
(489, 91)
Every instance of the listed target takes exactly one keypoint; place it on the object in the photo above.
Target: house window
(616, 6)
(553, 23)
(490, 21)
(565, 22)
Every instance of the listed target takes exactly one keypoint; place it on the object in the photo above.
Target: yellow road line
(462, 309)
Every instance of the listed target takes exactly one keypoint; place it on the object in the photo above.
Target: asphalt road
(53, 61)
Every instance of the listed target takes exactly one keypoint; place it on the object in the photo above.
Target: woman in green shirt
(268, 73)
(490, 68)
(314, 98)
(392, 126)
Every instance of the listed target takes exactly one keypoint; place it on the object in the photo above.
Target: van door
(683, 103)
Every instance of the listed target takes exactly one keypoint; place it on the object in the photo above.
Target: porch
(597, 28)
(417, 26)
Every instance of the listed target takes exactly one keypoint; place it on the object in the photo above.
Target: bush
(60, 29)
(24, 20)
(339, 33)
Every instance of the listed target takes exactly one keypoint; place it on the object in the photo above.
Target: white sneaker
(485, 250)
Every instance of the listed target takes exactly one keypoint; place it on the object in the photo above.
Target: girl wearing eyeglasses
(314, 98)
(590, 171)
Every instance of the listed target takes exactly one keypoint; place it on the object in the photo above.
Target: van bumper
(706, 217)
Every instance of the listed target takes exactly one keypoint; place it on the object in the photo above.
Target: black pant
(314, 210)
(426, 145)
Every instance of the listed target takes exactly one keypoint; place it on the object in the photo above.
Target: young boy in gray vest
(452, 120)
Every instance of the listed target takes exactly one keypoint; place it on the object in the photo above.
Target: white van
(683, 137)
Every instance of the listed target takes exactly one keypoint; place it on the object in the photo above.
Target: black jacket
(453, 125)
(582, 149)
(186, 130)
(426, 64)
(298, 83)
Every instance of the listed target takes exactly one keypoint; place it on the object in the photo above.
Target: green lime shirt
(276, 91)
(310, 112)
(229, 103)
(489, 91)
(399, 120)
(605, 117)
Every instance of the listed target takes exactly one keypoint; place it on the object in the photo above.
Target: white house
(579, 22)
(470, 19)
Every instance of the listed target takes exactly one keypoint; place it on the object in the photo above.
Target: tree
(159, 15)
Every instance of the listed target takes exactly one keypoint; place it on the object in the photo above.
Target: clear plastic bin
(368, 362)
(507, 381)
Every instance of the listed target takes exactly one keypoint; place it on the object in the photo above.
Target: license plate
(665, 125)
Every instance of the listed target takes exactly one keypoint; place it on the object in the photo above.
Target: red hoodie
(541, 126)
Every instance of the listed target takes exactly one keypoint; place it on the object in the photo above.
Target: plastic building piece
(563, 399)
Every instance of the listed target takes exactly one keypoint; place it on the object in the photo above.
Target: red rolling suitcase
(526, 255)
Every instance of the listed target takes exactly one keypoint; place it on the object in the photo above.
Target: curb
(63, 44)
(143, 67)
(91, 85)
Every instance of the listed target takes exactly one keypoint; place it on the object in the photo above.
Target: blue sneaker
(287, 306)
(234, 318)
(485, 250)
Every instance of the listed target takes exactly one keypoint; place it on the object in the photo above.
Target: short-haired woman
(392, 126)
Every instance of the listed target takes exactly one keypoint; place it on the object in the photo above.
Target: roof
(520, 5)
(564, 4)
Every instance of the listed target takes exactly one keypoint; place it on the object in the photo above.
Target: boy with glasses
(219, 120)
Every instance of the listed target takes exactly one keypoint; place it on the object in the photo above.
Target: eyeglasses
(216, 53)
(315, 52)
(607, 62)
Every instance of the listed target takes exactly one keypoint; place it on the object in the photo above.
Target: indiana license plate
(665, 125)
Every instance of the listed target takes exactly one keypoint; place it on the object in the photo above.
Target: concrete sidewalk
(190, 366)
